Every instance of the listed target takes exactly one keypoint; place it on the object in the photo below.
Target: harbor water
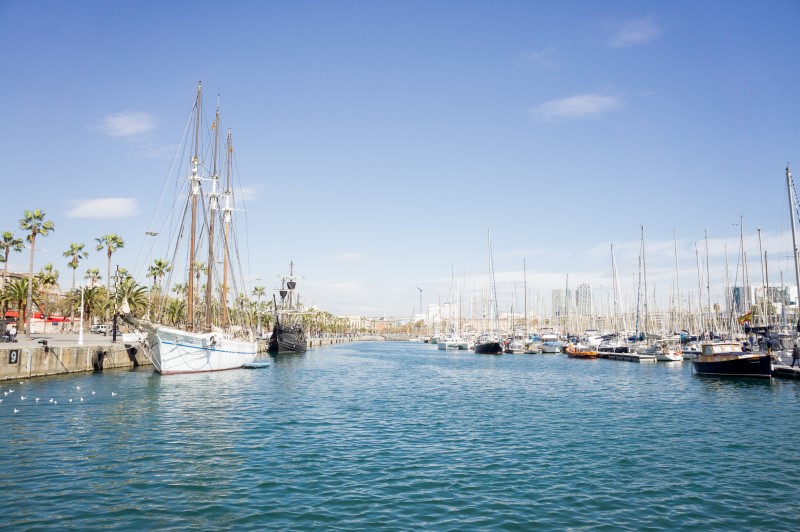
(402, 436)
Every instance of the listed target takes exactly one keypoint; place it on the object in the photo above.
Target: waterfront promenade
(59, 353)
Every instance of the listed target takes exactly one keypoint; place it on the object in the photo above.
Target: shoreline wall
(24, 362)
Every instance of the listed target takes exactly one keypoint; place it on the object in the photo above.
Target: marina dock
(786, 372)
(627, 357)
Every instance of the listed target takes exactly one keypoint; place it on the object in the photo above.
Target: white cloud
(127, 124)
(347, 257)
(635, 32)
(248, 192)
(104, 208)
(541, 57)
(578, 106)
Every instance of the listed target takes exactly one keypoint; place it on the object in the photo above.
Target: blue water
(403, 436)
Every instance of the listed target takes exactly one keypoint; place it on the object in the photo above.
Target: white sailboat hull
(452, 344)
(176, 351)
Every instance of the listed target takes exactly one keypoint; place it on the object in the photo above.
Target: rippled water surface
(402, 436)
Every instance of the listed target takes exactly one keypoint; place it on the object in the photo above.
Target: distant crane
(420, 299)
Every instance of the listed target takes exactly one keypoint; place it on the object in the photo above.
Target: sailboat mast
(677, 281)
(644, 274)
(789, 187)
(525, 287)
(194, 179)
(495, 318)
(226, 226)
(213, 206)
(708, 290)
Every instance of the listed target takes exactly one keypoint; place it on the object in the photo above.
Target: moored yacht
(727, 358)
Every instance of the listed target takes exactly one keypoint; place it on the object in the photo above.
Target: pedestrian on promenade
(796, 354)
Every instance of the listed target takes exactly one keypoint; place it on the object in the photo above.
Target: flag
(746, 317)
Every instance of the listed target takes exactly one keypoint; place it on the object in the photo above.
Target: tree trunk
(29, 304)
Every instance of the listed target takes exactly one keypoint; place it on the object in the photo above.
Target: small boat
(256, 364)
(665, 350)
(515, 346)
(551, 344)
(581, 351)
(729, 359)
(533, 348)
(452, 343)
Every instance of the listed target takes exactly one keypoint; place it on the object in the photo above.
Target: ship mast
(789, 186)
(213, 205)
(226, 224)
(194, 180)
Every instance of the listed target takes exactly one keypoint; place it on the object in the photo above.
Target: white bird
(5, 394)
(16, 410)
(10, 391)
(70, 400)
(1, 400)
(51, 400)
(55, 402)
(81, 399)
(37, 399)
(113, 394)
(21, 397)
(93, 392)
(77, 387)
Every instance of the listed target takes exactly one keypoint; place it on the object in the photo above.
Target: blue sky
(378, 141)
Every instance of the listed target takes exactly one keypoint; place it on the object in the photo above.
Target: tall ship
(199, 332)
(288, 335)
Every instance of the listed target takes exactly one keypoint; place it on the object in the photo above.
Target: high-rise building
(583, 299)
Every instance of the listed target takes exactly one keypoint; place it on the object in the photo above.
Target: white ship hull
(176, 351)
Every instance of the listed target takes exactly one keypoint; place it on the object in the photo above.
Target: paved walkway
(61, 340)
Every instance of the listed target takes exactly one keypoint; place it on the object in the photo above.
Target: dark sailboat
(288, 335)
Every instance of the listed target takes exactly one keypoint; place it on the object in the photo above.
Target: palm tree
(110, 243)
(9, 243)
(93, 275)
(258, 293)
(180, 289)
(135, 294)
(157, 271)
(18, 292)
(94, 300)
(176, 311)
(34, 222)
(76, 253)
(48, 278)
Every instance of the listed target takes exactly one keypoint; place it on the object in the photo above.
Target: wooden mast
(194, 179)
(212, 218)
(226, 224)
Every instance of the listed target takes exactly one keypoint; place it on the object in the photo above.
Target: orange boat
(581, 351)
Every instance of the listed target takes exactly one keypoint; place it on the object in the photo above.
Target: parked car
(99, 329)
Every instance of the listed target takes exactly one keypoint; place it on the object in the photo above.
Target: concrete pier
(59, 354)
(785, 372)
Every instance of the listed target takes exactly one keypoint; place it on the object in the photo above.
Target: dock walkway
(628, 357)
